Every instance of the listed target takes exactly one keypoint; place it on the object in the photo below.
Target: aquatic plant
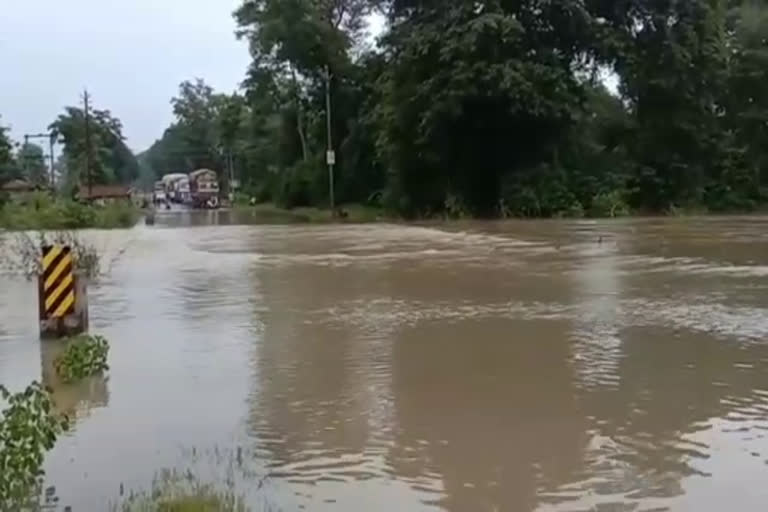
(28, 429)
(173, 491)
(84, 356)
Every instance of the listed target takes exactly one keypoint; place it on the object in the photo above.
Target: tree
(8, 167)
(300, 47)
(207, 128)
(488, 108)
(473, 96)
(672, 58)
(111, 161)
(33, 164)
(747, 103)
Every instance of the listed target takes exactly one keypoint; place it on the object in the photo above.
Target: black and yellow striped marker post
(58, 282)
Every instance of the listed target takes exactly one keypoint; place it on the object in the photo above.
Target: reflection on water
(517, 366)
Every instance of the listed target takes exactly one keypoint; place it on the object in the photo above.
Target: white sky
(131, 54)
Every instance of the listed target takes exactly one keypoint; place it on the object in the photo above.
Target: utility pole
(330, 155)
(25, 162)
(89, 175)
(51, 140)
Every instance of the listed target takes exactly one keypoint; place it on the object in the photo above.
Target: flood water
(510, 366)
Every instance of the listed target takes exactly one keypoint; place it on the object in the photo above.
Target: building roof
(200, 172)
(20, 186)
(104, 192)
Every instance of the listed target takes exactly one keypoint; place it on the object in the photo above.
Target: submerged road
(516, 366)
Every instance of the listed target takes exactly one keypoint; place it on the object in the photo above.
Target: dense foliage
(44, 211)
(492, 108)
(111, 161)
(8, 166)
(28, 429)
(84, 356)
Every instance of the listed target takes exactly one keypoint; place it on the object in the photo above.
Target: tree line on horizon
(110, 159)
(489, 108)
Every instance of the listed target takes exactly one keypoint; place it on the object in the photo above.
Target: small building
(103, 194)
(16, 187)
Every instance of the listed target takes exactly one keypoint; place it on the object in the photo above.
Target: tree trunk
(300, 119)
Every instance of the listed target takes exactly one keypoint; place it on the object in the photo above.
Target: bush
(121, 214)
(42, 211)
(541, 191)
(609, 204)
(303, 184)
(83, 357)
(28, 428)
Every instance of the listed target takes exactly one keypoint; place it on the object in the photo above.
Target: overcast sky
(131, 54)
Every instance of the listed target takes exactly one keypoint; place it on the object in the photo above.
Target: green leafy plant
(610, 204)
(28, 428)
(84, 356)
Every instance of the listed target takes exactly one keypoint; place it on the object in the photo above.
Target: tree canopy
(111, 161)
(8, 168)
(494, 107)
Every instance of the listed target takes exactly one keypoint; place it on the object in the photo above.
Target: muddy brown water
(515, 366)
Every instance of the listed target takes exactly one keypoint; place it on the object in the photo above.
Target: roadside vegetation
(30, 425)
(43, 211)
(269, 213)
(491, 109)
(29, 428)
(462, 109)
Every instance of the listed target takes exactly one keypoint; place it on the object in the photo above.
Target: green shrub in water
(83, 357)
(28, 429)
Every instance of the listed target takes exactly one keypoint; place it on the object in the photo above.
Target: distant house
(16, 187)
(104, 193)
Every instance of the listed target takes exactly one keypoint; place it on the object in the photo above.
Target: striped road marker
(58, 281)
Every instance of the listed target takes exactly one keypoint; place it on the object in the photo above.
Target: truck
(177, 187)
(204, 188)
(158, 195)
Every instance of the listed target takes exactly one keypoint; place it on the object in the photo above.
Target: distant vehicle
(204, 188)
(177, 187)
(183, 193)
(159, 195)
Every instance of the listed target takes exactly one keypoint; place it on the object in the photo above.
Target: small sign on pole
(330, 157)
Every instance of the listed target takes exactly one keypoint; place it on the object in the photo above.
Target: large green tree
(747, 103)
(111, 161)
(474, 95)
(300, 49)
(496, 107)
(207, 129)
